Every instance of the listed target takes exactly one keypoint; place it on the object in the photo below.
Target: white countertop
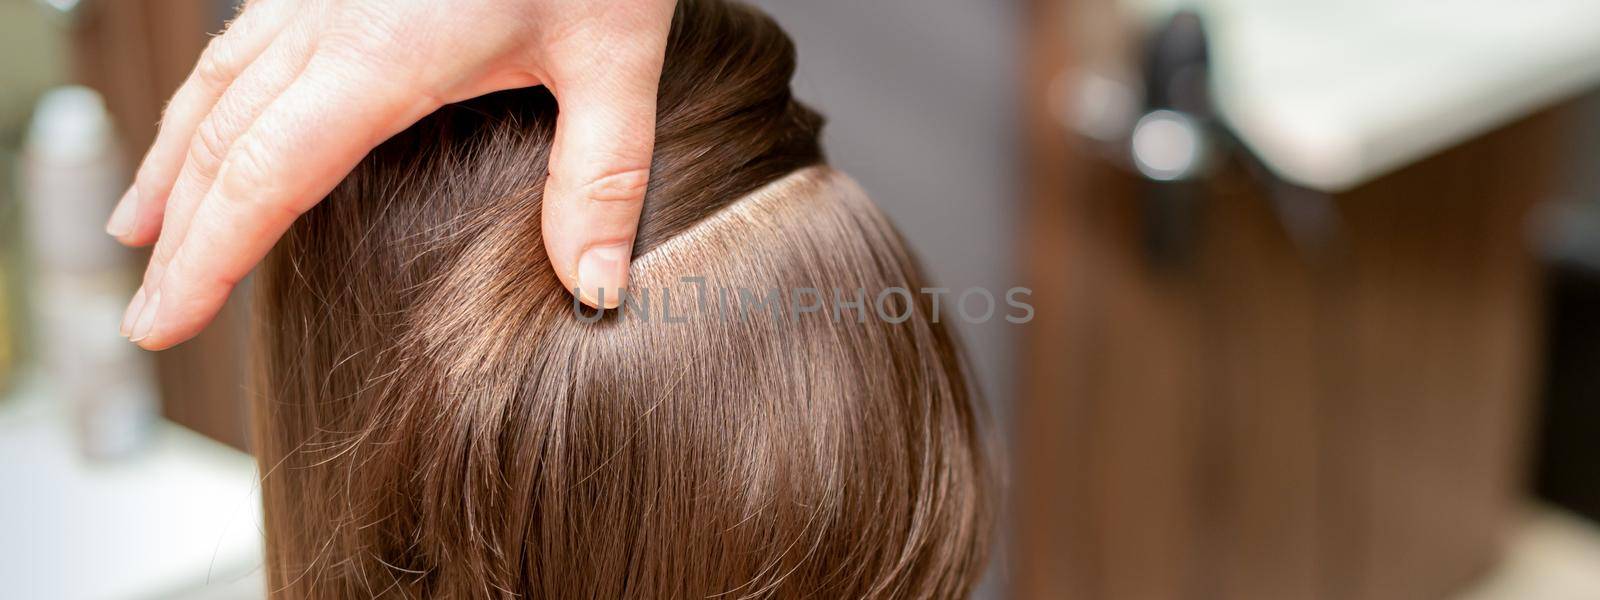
(179, 518)
(1333, 93)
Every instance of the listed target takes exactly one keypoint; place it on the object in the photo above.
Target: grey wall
(920, 98)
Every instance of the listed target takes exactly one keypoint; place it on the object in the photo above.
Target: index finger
(300, 147)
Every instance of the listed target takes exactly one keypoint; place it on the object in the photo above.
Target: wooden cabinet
(1267, 420)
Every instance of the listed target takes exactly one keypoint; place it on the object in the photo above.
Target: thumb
(599, 171)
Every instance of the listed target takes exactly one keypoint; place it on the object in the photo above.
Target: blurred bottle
(71, 174)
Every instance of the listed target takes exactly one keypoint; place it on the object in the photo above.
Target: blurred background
(1316, 289)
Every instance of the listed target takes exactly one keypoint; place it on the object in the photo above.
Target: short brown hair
(437, 419)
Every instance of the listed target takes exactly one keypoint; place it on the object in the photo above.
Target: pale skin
(284, 104)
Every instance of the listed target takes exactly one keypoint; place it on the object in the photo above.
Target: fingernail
(131, 316)
(121, 223)
(602, 275)
(147, 319)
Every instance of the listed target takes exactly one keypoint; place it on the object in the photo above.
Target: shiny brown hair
(437, 419)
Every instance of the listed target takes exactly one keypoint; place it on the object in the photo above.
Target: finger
(599, 171)
(234, 111)
(309, 138)
(239, 106)
(137, 217)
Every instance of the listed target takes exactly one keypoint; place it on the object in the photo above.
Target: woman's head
(761, 419)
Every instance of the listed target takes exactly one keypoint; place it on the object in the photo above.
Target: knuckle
(248, 183)
(247, 171)
(216, 68)
(208, 146)
(624, 185)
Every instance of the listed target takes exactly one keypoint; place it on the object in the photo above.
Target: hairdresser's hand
(286, 102)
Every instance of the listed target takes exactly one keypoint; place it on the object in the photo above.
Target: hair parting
(435, 420)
